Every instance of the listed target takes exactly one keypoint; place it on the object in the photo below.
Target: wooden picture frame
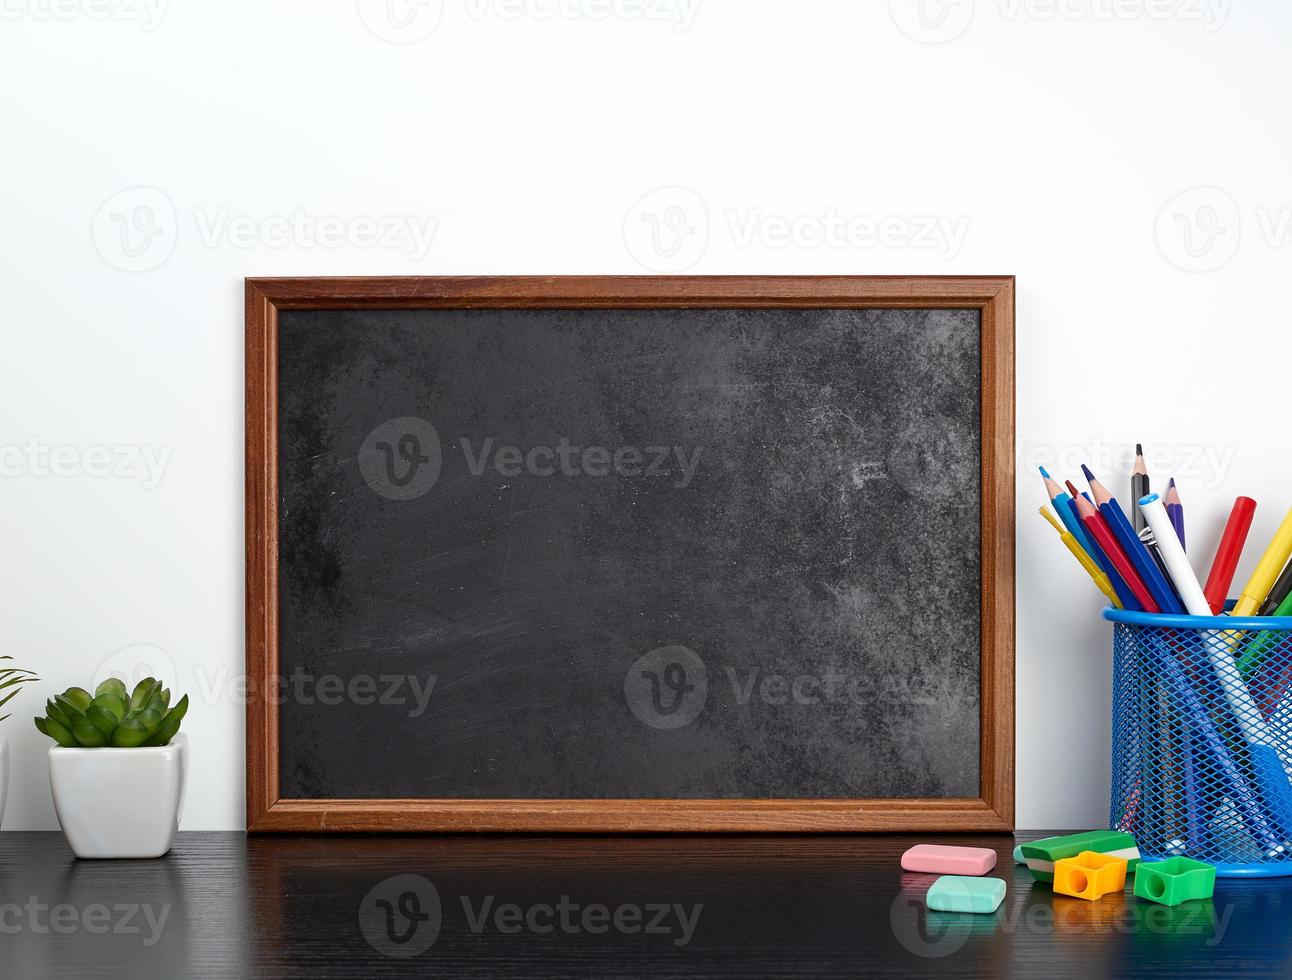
(991, 810)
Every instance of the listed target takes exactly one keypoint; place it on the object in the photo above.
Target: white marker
(1177, 563)
(1186, 583)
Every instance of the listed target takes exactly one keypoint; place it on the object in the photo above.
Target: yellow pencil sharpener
(1089, 875)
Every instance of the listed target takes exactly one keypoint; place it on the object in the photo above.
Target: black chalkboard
(607, 553)
(672, 553)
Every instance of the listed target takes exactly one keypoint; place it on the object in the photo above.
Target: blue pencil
(1060, 499)
(1124, 592)
(1175, 510)
(1139, 556)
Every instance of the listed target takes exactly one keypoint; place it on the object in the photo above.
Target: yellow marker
(1088, 563)
(1267, 570)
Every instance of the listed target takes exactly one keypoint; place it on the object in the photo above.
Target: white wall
(1039, 141)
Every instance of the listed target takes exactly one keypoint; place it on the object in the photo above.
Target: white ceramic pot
(4, 775)
(119, 803)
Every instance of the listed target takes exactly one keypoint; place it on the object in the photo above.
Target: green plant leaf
(16, 675)
(180, 710)
(143, 693)
(165, 732)
(89, 736)
(56, 713)
(170, 724)
(129, 734)
(113, 686)
(74, 713)
(14, 678)
(78, 697)
(165, 699)
(113, 705)
(150, 718)
(101, 720)
(57, 732)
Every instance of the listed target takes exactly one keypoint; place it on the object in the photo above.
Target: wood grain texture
(630, 816)
(993, 810)
(997, 642)
(262, 550)
(635, 292)
(761, 907)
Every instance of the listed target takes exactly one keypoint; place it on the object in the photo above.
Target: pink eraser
(943, 859)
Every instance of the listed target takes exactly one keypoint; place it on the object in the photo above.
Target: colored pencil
(1175, 511)
(1139, 486)
(1124, 591)
(1099, 532)
(1163, 594)
(1059, 499)
(1092, 569)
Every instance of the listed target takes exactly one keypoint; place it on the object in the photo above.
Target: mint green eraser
(1018, 855)
(957, 893)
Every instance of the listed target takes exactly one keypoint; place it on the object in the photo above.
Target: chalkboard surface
(629, 553)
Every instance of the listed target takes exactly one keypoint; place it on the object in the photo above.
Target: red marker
(1231, 547)
(1098, 529)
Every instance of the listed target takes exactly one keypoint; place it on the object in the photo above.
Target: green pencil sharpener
(1175, 880)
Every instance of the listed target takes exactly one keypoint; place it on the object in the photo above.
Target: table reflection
(226, 905)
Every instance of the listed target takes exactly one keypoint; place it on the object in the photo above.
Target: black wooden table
(223, 905)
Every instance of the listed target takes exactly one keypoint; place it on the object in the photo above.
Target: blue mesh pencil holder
(1202, 738)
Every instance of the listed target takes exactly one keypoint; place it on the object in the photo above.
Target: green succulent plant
(113, 717)
(12, 679)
